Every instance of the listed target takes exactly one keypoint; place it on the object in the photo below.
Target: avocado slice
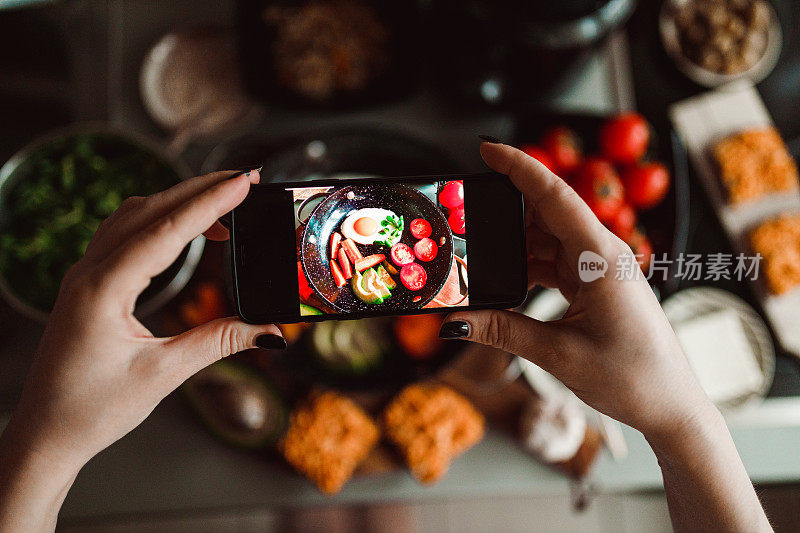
(386, 278)
(352, 347)
(306, 310)
(390, 268)
(238, 405)
(374, 282)
(365, 292)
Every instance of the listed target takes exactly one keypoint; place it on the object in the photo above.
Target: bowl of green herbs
(53, 195)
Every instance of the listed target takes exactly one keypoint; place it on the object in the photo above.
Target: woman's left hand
(99, 372)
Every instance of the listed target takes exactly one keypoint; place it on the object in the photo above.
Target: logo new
(591, 266)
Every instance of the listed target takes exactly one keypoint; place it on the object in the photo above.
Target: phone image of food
(381, 247)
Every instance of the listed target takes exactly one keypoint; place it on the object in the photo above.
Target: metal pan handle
(304, 203)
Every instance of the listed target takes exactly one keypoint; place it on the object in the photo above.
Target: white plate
(695, 302)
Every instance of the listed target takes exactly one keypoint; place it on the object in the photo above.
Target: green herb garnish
(391, 230)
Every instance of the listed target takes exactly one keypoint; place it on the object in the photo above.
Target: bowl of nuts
(714, 42)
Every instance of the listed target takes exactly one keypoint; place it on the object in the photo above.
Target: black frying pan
(328, 216)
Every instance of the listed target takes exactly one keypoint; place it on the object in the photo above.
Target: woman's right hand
(614, 347)
(616, 350)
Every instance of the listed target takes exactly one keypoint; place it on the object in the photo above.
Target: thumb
(200, 346)
(509, 331)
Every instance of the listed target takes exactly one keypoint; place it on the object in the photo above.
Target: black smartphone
(358, 248)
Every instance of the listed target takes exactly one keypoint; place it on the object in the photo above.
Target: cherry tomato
(624, 138)
(401, 254)
(600, 187)
(564, 147)
(413, 276)
(540, 155)
(457, 221)
(426, 249)
(642, 248)
(452, 194)
(646, 184)
(624, 222)
(420, 228)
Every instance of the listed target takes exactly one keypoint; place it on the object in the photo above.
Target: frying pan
(328, 216)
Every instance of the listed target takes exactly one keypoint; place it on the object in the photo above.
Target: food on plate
(351, 250)
(55, 200)
(328, 437)
(351, 347)
(336, 241)
(452, 194)
(624, 138)
(389, 268)
(778, 242)
(425, 250)
(418, 335)
(420, 228)
(539, 154)
(369, 262)
(754, 163)
(413, 276)
(344, 263)
(401, 254)
(338, 277)
(238, 405)
(305, 289)
(457, 221)
(723, 36)
(369, 287)
(324, 48)
(646, 184)
(372, 225)
(431, 425)
(598, 183)
(308, 310)
(720, 354)
(564, 147)
(617, 183)
(385, 277)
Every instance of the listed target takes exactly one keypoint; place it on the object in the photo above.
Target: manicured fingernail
(490, 139)
(254, 175)
(457, 329)
(270, 341)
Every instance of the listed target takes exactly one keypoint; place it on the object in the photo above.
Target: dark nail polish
(254, 170)
(457, 329)
(490, 139)
(269, 341)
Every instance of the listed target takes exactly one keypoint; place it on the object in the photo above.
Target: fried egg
(363, 225)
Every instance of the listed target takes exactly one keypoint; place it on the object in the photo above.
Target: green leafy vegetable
(391, 230)
(56, 200)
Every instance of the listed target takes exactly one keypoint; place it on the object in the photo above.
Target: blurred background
(102, 99)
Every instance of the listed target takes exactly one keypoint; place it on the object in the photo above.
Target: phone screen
(355, 248)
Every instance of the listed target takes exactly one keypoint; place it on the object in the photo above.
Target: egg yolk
(365, 226)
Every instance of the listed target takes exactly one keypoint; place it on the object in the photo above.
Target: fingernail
(490, 139)
(457, 329)
(254, 175)
(270, 341)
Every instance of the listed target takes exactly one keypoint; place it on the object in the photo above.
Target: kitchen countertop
(170, 463)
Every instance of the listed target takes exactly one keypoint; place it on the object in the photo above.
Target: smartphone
(364, 247)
